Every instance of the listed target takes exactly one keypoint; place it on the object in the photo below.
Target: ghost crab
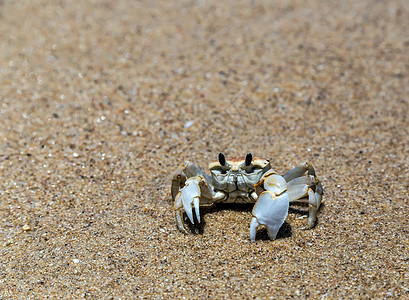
(245, 180)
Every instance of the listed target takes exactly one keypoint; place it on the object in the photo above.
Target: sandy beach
(100, 102)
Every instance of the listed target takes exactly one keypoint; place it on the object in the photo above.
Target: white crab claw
(179, 213)
(271, 211)
(191, 198)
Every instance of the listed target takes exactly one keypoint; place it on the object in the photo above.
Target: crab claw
(190, 198)
(187, 200)
(271, 211)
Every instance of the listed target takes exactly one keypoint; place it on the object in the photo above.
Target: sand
(102, 100)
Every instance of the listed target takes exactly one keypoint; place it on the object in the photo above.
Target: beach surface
(101, 101)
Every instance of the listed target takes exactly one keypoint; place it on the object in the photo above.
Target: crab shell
(238, 176)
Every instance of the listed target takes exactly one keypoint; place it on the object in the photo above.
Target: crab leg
(308, 180)
(301, 186)
(314, 202)
(298, 191)
(178, 181)
(184, 171)
(299, 171)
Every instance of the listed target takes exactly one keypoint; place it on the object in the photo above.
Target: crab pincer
(271, 207)
(187, 200)
(271, 211)
(191, 198)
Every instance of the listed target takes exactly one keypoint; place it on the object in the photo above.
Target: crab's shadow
(299, 207)
(284, 232)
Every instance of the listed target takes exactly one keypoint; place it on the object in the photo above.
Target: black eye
(249, 158)
(222, 159)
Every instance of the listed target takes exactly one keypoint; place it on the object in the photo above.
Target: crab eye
(222, 159)
(249, 158)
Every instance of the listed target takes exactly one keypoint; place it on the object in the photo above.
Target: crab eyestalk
(249, 158)
(222, 159)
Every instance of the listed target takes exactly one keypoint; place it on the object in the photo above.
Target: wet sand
(101, 101)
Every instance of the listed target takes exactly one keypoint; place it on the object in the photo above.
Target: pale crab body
(245, 180)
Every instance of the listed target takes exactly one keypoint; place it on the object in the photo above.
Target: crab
(245, 180)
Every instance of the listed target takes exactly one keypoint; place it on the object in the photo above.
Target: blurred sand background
(101, 100)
